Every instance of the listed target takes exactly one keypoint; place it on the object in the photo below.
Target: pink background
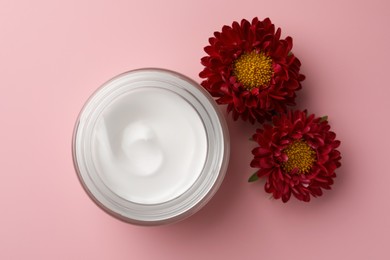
(54, 54)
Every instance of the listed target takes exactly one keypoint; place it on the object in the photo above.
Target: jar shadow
(230, 193)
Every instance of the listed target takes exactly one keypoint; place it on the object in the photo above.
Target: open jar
(150, 147)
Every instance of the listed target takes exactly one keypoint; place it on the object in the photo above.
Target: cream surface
(149, 146)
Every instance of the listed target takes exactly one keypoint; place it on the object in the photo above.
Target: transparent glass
(193, 198)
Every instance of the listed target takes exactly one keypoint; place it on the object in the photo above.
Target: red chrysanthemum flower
(252, 70)
(297, 155)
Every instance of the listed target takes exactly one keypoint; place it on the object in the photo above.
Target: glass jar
(150, 147)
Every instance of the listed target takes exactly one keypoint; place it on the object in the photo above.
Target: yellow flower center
(300, 155)
(253, 69)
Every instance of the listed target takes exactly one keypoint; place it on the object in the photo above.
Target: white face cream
(150, 147)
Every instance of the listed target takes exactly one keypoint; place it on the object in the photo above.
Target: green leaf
(253, 178)
(324, 118)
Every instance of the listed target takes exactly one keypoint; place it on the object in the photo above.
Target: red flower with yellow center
(252, 70)
(297, 155)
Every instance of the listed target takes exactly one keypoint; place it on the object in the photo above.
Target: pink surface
(54, 54)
